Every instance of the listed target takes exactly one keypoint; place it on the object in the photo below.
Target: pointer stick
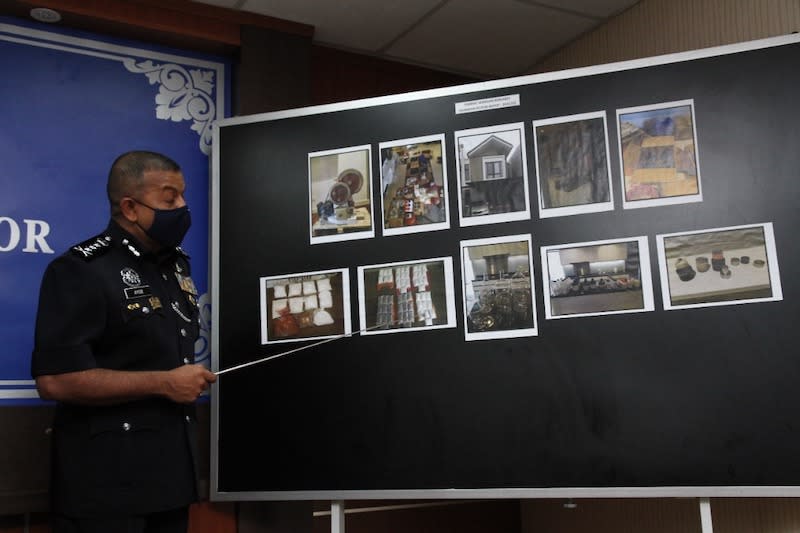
(264, 360)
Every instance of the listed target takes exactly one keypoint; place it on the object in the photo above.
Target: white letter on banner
(13, 234)
(37, 237)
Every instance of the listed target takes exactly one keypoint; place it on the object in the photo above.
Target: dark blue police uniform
(106, 303)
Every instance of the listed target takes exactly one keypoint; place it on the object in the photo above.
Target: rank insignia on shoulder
(131, 248)
(92, 248)
(186, 283)
(182, 265)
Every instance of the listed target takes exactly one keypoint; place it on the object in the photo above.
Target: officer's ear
(127, 207)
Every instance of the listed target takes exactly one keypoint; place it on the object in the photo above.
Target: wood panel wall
(746, 515)
(338, 76)
(431, 517)
(656, 27)
(665, 515)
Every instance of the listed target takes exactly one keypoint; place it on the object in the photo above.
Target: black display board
(696, 401)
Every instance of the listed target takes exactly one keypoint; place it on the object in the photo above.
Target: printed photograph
(309, 305)
(572, 165)
(499, 298)
(597, 278)
(414, 185)
(659, 155)
(339, 192)
(722, 266)
(492, 174)
(407, 296)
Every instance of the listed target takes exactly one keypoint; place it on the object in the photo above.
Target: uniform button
(183, 332)
(165, 277)
(145, 310)
(186, 361)
(126, 426)
(188, 419)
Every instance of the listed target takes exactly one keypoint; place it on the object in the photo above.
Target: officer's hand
(186, 383)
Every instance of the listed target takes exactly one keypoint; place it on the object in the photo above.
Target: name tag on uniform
(137, 292)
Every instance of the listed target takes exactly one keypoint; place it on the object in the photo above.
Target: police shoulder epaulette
(92, 248)
(182, 265)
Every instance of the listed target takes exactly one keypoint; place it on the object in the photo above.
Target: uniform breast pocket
(142, 336)
(141, 308)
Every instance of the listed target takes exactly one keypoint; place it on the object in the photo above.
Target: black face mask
(169, 225)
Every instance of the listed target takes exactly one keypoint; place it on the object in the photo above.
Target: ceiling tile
(357, 24)
(594, 8)
(497, 39)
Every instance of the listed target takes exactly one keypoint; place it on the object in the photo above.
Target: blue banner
(69, 104)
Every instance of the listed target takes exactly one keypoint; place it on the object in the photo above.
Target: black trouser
(174, 521)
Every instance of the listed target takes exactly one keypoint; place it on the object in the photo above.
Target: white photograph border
(671, 200)
(645, 274)
(502, 334)
(265, 310)
(596, 207)
(772, 264)
(440, 137)
(449, 288)
(500, 217)
(366, 234)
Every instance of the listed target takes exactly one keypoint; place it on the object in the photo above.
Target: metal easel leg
(705, 516)
(337, 517)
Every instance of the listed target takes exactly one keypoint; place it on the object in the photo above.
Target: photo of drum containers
(718, 263)
(727, 265)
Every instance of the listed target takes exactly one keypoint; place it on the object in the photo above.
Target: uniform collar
(124, 239)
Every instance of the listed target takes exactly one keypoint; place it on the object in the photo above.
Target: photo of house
(340, 198)
(572, 165)
(659, 156)
(492, 174)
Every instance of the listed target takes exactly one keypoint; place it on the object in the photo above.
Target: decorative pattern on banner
(182, 95)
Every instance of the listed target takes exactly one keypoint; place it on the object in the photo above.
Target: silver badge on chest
(130, 277)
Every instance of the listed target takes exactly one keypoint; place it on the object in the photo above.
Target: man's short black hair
(127, 174)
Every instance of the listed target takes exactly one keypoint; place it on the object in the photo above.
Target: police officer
(114, 347)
